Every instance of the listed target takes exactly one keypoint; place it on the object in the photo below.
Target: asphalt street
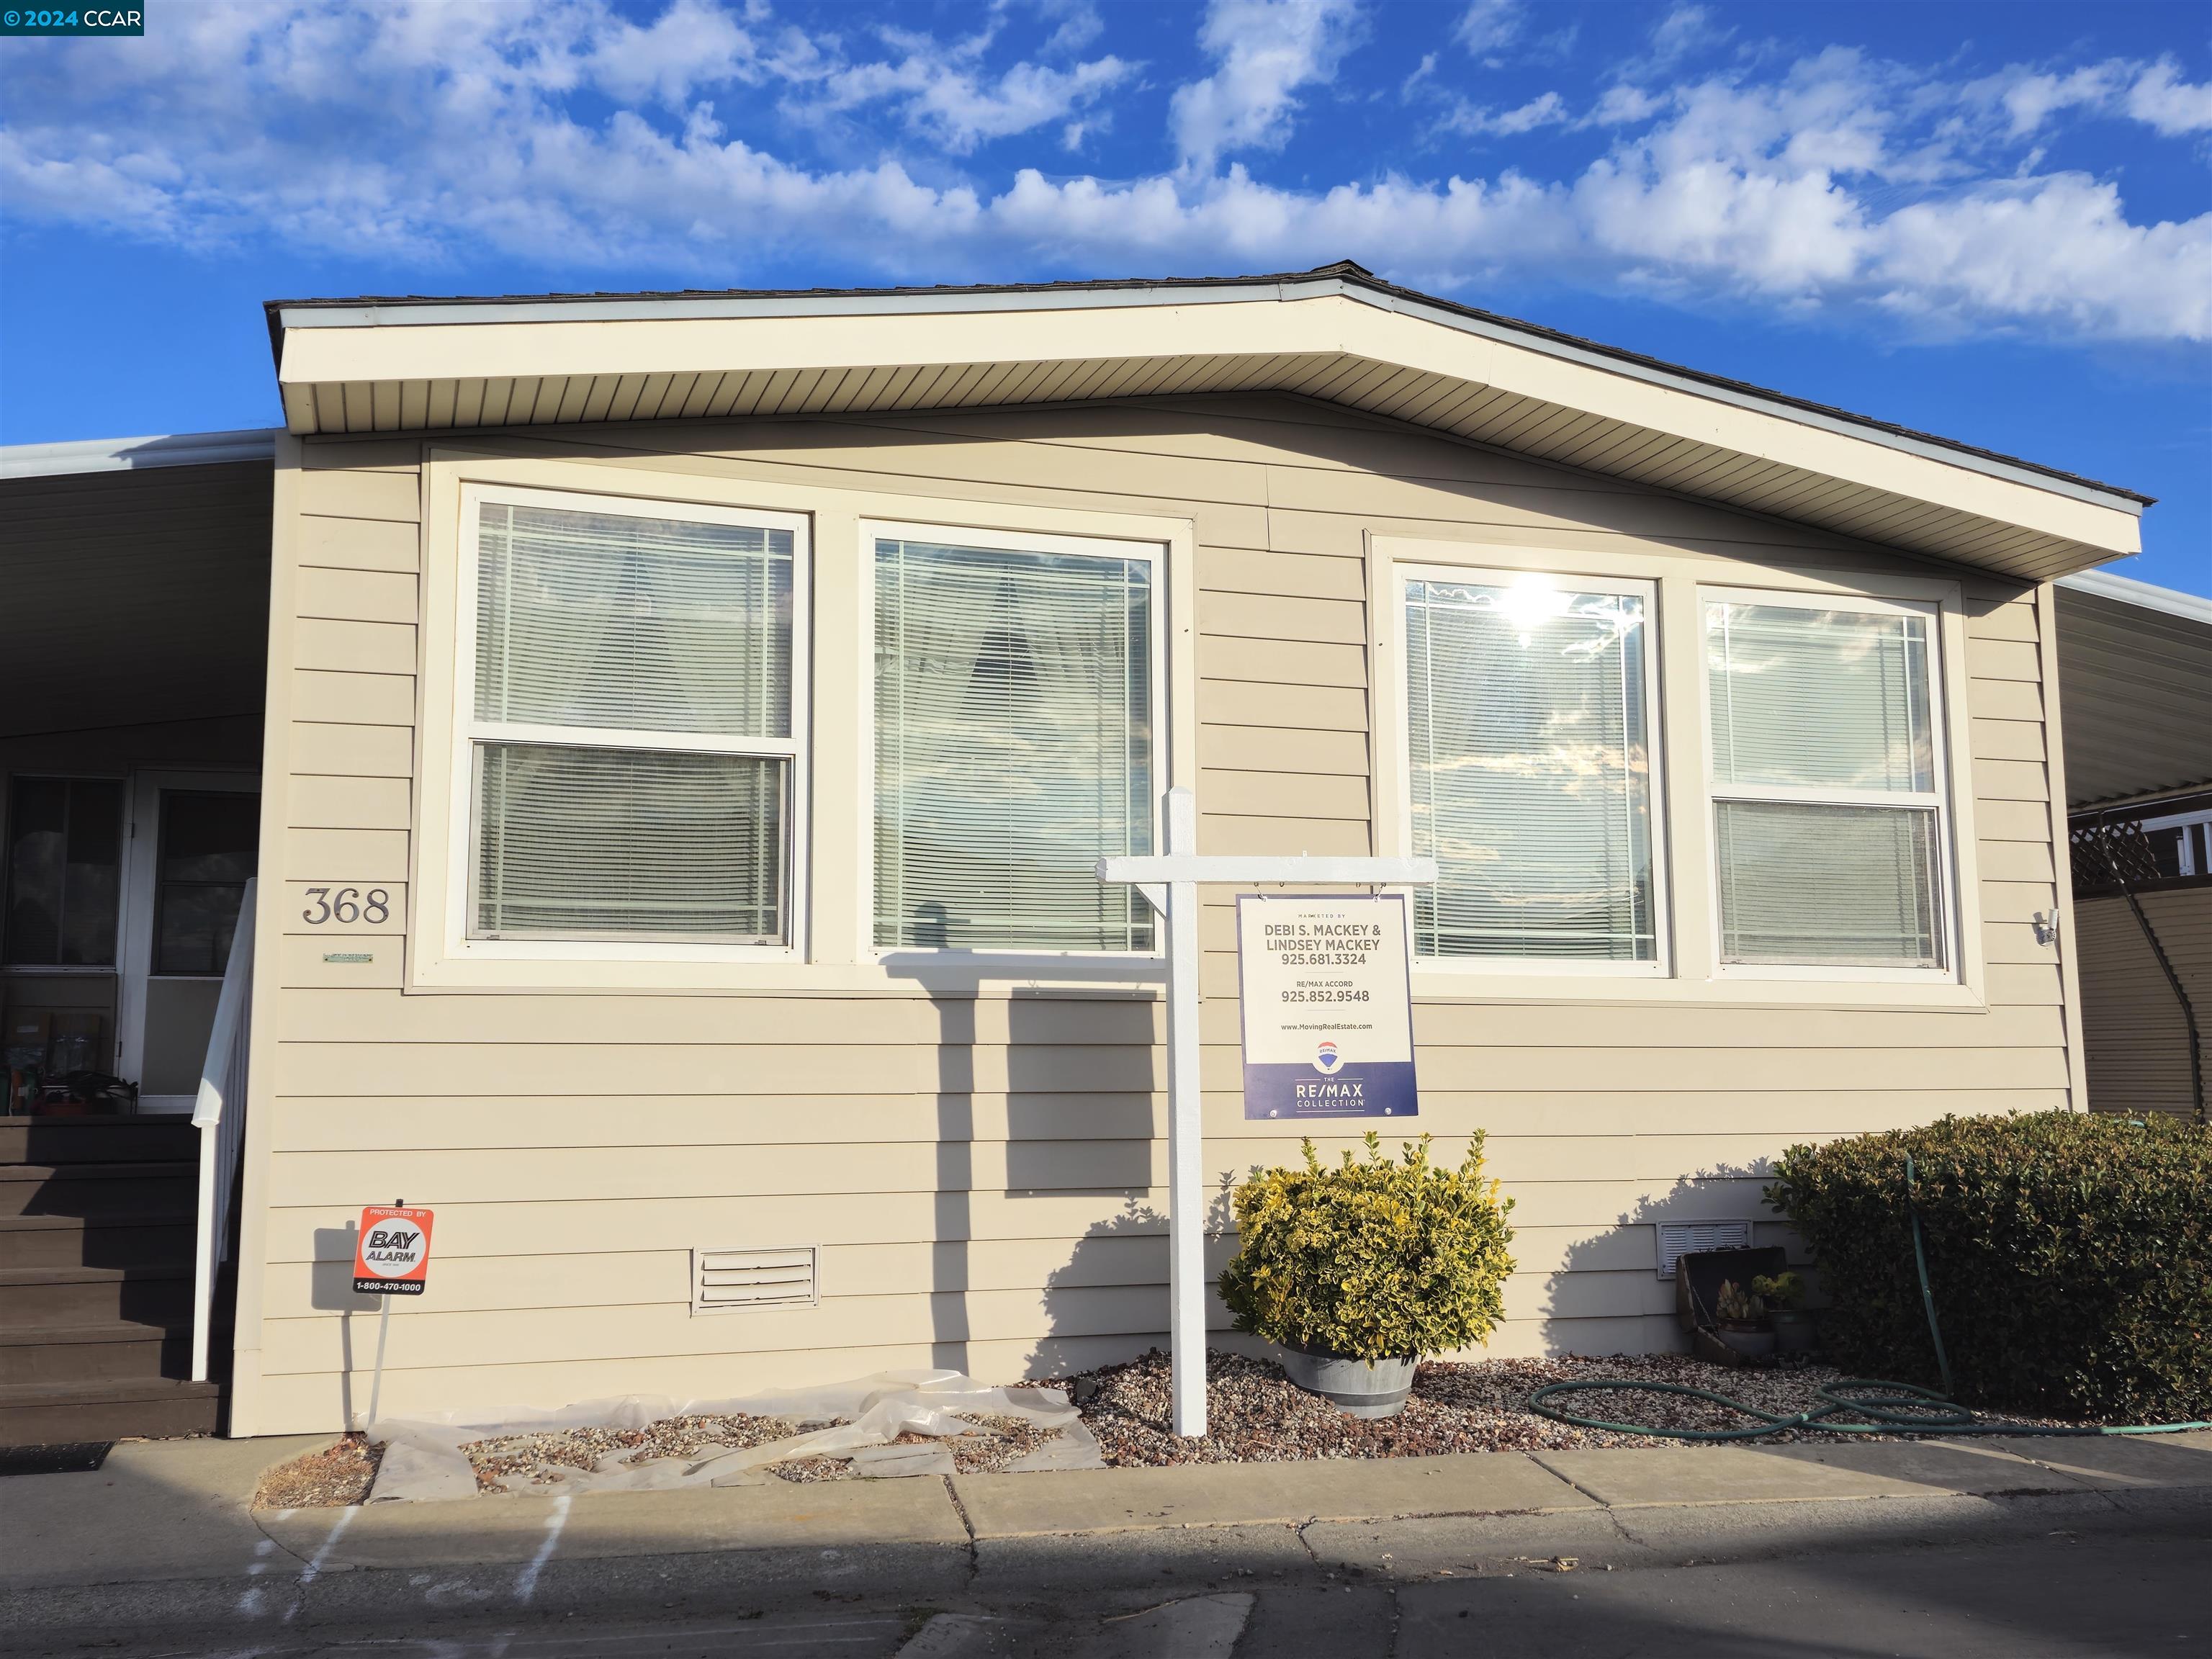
(2075, 1591)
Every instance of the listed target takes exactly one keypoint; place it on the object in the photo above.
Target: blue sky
(1992, 222)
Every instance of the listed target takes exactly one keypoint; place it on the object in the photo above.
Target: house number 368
(347, 904)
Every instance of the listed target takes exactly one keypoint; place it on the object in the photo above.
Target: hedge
(2071, 1253)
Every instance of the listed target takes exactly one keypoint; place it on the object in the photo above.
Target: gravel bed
(1257, 1415)
(536, 1458)
(336, 1477)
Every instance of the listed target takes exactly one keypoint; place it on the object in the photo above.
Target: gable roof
(1338, 333)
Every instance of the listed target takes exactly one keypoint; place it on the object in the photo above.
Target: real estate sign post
(390, 1257)
(1170, 883)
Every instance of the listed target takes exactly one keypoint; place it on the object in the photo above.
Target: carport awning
(2135, 686)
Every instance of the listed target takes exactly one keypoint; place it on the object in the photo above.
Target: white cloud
(1267, 51)
(1546, 110)
(457, 137)
(2153, 93)
(1487, 26)
(2161, 99)
(1622, 106)
(1684, 32)
(945, 94)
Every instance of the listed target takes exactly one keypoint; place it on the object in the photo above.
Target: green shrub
(1377, 1259)
(2070, 1255)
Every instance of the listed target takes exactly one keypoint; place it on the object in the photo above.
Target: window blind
(1827, 823)
(1851, 886)
(1820, 699)
(1013, 747)
(1530, 770)
(603, 619)
(588, 843)
(666, 646)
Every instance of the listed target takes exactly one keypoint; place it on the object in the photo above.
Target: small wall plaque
(348, 956)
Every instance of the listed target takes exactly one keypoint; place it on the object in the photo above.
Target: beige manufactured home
(692, 721)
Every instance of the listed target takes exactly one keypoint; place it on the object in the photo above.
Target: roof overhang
(1338, 335)
(2135, 688)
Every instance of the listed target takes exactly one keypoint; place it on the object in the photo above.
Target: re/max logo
(1338, 1088)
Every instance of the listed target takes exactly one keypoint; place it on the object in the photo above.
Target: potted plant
(1741, 1317)
(1356, 1272)
(1791, 1322)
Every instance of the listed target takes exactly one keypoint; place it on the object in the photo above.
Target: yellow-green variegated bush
(1375, 1259)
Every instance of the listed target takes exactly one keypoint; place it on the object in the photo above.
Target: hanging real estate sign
(392, 1257)
(1327, 1011)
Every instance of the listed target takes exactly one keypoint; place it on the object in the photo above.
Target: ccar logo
(1326, 1059)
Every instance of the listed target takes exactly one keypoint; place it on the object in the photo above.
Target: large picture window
(632, 761)
(1827, 782)
(1015, 703)
(1530, 772)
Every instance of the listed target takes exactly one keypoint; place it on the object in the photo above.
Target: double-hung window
(1016, 703)
(1529, 718)
(1829, 827)
(633, 733)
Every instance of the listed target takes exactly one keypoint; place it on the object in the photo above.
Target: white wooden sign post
(1170, 883)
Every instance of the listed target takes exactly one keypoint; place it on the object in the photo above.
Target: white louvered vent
(728, 1281)
(1680, 1239)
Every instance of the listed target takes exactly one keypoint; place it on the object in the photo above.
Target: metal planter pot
(1363, 1387)
(1793, 1330)
(1752, 1344)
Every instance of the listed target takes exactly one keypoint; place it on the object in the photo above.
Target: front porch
(131, 687)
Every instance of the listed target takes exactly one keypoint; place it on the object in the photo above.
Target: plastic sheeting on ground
(423, 1460)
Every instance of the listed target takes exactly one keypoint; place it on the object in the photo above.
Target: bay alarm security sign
(1327, 1012)
(392, 1257)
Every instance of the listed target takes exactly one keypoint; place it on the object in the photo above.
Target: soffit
(134, 596)
(392, 368)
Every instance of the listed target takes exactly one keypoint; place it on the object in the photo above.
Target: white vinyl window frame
(1154, 554)
(1477, 969)
(1939, 798)
(461, 940)
(1683, 834)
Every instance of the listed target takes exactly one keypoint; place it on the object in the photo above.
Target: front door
(195, 840)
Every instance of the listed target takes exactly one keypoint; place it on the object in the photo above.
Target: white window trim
(1156, 554)
(1686, 836)
(467, 731)
(1661, 966)
(839, 761)
(1939, 798)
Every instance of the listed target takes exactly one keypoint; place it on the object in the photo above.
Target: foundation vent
(728, 1281)
(1680, 1239)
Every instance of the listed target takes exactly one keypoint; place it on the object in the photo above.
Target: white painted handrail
(219, 1114)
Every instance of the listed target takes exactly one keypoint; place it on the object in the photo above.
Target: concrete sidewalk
(163, 1533)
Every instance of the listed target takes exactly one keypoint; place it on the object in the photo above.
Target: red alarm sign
(392, 1255)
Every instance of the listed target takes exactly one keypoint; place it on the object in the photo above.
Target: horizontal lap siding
(2134, 1032)
(984, 1175)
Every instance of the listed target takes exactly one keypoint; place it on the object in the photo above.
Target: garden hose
(1889, 1407)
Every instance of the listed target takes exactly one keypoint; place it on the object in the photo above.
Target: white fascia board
(136, 454)
(439, 344)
